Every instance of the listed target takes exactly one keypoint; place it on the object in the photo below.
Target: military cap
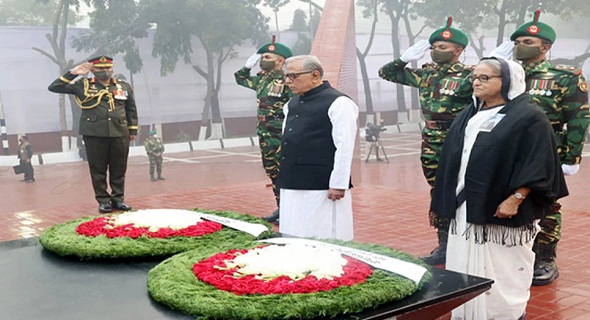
(535, 28)
(152, 132)
(276, 48)
(449, 34)
(102, 61)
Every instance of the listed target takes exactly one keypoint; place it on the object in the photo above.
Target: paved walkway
(390, 204)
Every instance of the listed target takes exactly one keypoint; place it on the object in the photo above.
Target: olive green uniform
(109, 117)
(444, 91)
(272, 93)
(562, 93)
(154, 149)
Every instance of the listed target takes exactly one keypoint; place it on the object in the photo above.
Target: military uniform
(25, 154)
(154, 149)
(109, 117)
(271, 94)
(444, 91)
(562, 93)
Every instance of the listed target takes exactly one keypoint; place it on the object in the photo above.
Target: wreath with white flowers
(145, 233)
(210, 284)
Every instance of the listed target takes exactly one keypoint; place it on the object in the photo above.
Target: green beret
(450, 35)
(276, 48)
(535, 29)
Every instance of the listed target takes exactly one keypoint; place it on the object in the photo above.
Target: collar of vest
(325, 85)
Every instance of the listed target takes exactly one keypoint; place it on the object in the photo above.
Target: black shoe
(105, 208)
(121, 206)
(545, 273)
(161, 178)
(30, 180)
(436, 257)
(153, 179)
(272, 217)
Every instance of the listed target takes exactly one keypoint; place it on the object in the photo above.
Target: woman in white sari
(499, 173)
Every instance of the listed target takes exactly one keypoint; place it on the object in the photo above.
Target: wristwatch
(518, 196)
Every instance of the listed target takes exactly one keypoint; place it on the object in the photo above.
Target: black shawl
(520, 151)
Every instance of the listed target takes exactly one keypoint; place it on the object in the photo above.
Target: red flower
(101, 226)
(213, 271)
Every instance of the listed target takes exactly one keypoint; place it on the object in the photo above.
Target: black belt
(263, 118)
(461, 197)
(438, 124)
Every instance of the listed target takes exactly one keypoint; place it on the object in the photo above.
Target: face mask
(103, 75)
(267, 65)
(522, 52)
(441, 57)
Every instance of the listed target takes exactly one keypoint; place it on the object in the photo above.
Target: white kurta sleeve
(285, 112)
(343, 114)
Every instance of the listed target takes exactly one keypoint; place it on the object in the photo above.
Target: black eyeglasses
(483, 78)
(295, 75)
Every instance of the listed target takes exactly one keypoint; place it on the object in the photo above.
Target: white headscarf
(517, 79)
(513, 80)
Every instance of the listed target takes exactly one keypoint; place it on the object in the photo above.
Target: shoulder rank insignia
(571, 69)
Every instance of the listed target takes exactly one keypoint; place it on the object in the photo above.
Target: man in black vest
(319, 133)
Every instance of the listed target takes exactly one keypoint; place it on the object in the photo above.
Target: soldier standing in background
(444, 90)
(25, 154)
(271, 94)
(562, 93)
(155, 149)
(108, 123)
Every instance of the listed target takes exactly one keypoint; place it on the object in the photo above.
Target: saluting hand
(82, 69)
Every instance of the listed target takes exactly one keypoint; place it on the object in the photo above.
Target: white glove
(570, 169)
(416, 52)
(503, 51)
(253, 60)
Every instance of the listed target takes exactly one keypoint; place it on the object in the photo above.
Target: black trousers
(28, 170)
(107, 154)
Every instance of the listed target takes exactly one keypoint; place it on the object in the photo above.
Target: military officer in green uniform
(445, 90)
(155, 150)
(271, 94)
(562, 93)
(108, 123)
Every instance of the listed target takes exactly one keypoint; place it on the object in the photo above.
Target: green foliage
(31, 13)
(218, 25)
(63, 240)
(174, 284)
(114, 26)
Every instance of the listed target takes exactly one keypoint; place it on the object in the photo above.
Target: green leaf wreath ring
(174, 284)
(64, 240)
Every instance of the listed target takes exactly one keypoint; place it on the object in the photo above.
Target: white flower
(293, 260)
(155, 219)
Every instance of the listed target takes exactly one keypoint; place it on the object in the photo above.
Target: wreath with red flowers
(174, 283)
(87, 238)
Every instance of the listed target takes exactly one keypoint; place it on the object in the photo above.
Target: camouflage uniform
(562, 93)
(154, 149)
(444, 90)
(271, 94)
